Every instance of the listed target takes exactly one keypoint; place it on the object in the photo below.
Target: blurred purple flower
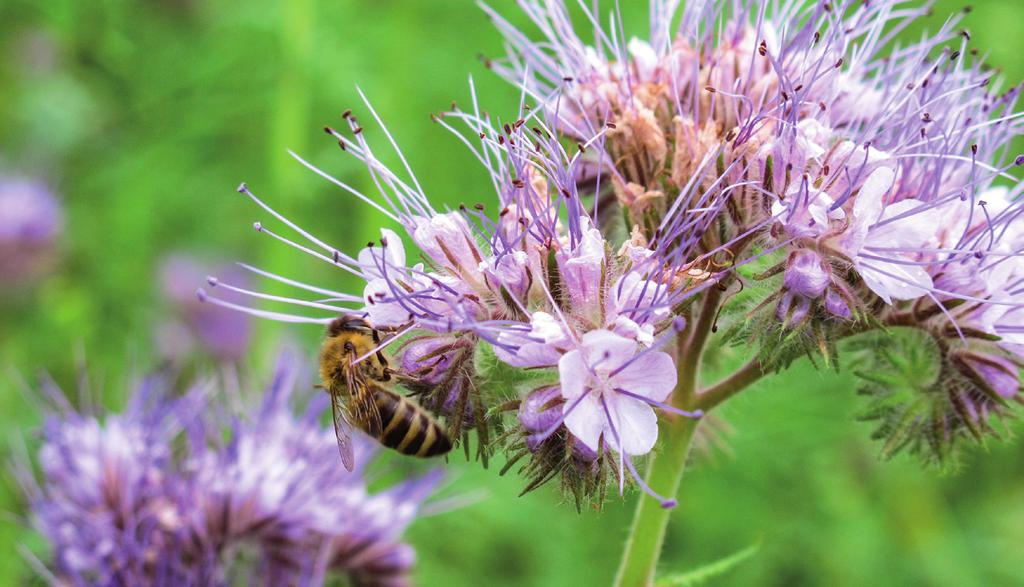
(119, 508)
(223, 333)
(31, 222)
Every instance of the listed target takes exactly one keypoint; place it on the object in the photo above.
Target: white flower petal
(392, 256)
(652, 375)
(868, 206)
(636, 425)
(893, 281)
(386, 313)
(573, 375)
(587, 421)
(604, 350)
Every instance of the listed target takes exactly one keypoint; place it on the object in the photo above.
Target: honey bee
(360, 395)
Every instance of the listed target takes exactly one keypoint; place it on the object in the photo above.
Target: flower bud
(806, 274)
(792, 309)
(437, 370)
(537, 414)
(428, 359)
(999, 374)
(448, 240)
(836, 305)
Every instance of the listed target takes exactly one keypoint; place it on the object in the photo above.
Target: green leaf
(705, 573)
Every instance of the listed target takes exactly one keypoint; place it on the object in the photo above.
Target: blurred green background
(144, 116)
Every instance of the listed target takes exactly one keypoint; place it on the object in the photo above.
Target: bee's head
(348, 324)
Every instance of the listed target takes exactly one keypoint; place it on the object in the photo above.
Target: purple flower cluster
(170, 492)
(742, 143)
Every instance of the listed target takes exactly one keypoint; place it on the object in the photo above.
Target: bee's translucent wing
(341, 424)
(363, 405)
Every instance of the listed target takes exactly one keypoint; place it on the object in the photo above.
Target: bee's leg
(399, 376)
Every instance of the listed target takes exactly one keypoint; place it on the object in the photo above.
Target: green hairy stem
(666, 466)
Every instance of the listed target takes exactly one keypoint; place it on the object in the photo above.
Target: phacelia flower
(118, 507)
(870, 177)
(529, 281)
(223, 333)
(770, 165)
(838, 149)
(608, 388)
(31, 222)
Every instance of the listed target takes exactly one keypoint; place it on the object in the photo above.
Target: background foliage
(145, 115)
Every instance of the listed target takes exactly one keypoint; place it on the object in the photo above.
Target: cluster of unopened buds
(770, 177)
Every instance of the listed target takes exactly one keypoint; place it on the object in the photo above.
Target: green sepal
(500, 381)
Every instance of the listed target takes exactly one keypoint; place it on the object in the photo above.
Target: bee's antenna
(386, 342)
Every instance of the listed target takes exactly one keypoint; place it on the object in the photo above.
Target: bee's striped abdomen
(408, 428)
